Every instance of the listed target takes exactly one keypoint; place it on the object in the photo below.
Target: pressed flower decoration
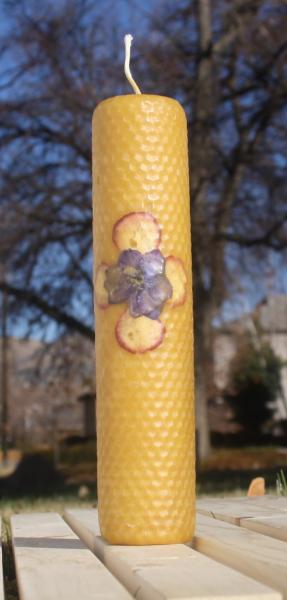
(143, 279)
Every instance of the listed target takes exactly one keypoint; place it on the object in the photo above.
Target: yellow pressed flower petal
(137, 230)
(101, 294)
(139, 335)
(176, 274)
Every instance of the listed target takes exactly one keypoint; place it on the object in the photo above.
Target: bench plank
(275, 526)
(1, 565)
(53, 564)
(234, 509)
(277, 503)
(253, 554)
(166, 572)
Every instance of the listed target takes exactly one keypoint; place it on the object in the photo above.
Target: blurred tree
(225, 61)
(226, 65)
(53, 74)
(255, 382)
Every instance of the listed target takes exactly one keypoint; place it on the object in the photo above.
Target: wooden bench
(239, 551)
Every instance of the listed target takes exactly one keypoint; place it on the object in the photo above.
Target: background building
(270, 316)
(45, 382)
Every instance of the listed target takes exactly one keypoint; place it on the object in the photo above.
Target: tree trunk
(200, 155)
(4, 378)
(203, 372)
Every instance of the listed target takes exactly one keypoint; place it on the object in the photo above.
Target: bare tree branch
(57, 314)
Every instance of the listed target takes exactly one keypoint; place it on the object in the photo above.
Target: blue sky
(131, 17)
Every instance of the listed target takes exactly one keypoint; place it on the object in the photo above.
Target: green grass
(53, 503)
(281, 483)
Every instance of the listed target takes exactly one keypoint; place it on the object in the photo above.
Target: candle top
(143, 103)
(146, 103)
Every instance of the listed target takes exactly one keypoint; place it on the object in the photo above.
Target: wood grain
(233, 510)
(255, 555)
(53, 564)
(168, 572)
(275, 526)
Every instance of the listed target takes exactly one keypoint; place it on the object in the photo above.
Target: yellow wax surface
(145, 400)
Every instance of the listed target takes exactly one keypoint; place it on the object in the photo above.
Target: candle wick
(128, 42)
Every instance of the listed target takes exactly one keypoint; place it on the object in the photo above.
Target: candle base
(123, 534)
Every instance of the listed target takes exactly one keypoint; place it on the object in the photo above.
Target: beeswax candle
(143, 311)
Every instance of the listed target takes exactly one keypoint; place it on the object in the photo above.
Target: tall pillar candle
(143, 305)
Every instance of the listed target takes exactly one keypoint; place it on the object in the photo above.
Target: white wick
(128, 42)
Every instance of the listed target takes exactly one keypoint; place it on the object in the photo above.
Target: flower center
(135, 277)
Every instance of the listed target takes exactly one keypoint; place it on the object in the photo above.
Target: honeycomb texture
(145, 402)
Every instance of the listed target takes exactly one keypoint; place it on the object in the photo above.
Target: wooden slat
(253, 554)
(276, 503)
(53, 564)
(275, 527)
(166, 572)
(1, 565)
(233, 510)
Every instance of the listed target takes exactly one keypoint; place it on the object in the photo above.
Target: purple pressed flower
(118, 286)
(153, 263)
(140, 280)
(130, 258)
